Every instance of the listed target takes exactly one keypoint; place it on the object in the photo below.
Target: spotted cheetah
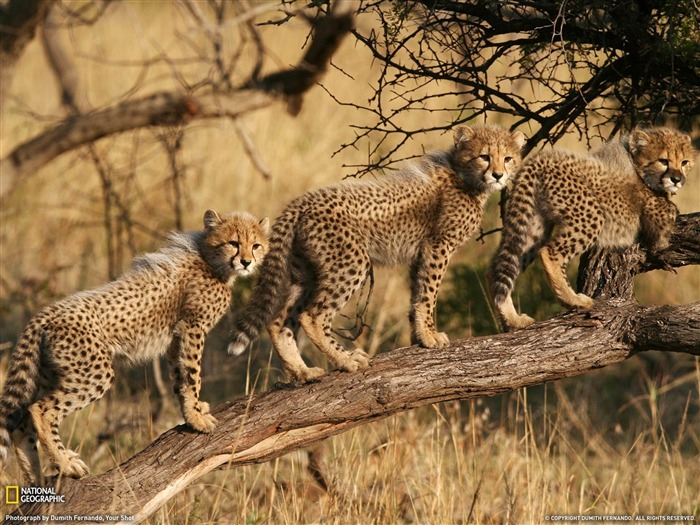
(324, 244)
(166, 304)
(563, 203)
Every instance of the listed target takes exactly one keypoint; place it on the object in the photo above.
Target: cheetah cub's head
(663, 157)
(234, 244)
(487, 156)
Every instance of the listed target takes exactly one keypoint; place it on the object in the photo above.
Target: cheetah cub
(563, 203)
(166, 304)
(324, 244)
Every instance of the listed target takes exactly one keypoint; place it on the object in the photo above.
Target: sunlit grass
(514, 459)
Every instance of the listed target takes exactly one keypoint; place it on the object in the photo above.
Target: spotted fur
(166, 304)
(563, 203)
(323, 246)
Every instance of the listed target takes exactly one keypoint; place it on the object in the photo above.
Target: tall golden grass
(620, 441)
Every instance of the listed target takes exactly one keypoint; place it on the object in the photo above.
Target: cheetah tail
(22, 381)
(272, 288)
(508, 261)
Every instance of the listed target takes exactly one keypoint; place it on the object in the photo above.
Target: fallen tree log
(268, 425)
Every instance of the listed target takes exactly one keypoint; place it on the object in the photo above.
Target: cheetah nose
(245, 263)
(676, 178)
(497, 176)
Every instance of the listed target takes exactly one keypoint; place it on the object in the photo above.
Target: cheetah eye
(257, 246)
(508, 159)
(685, 163)
(663, 162)
(235, 244)
(485, 158)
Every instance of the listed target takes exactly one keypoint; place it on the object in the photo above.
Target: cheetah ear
(265, 225)
(463, 134)
(211, 219)
(638, 139)
(519, 138)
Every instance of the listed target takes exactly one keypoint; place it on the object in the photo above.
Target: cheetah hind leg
(318, 329)
(46, 417)
(48, 411)
(328, 297)
(283, 333)
(511, 319)
(554, 264)
(24, 440)
(284, 341)
(297, 371)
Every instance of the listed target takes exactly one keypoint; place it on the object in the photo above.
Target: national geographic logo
(16, 495)
(12, 495)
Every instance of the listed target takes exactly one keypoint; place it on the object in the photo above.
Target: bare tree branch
(167, 108)
(251, 150)
(548, 67)
(18, 22)
(268, 425)
(62, 64)
(274, 423)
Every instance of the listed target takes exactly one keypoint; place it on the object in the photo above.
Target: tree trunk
(268, 425)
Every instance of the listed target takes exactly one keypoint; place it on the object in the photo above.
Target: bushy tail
(271, 291)
(22, 381)
(516, 237)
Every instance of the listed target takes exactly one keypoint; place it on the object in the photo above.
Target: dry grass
(620, 441)
(556, 449)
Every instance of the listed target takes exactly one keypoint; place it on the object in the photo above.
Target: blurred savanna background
(621, 440)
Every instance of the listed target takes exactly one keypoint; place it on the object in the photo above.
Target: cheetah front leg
(185, 359)
(426, 275)
(657, 223)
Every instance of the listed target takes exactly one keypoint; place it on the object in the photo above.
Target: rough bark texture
(604, 274)
(268, 425)
(167, 108)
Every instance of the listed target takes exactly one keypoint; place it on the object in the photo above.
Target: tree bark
(168, 108)
(268, 425)
(609, 274)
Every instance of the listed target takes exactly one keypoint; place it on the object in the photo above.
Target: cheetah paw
(204, 407)
(77, 469)
(586, 302)
(306, 375)
(202, 422)
(582, 301)
(360, 357)
(434, 340)
(70, 466)
(519, 321)
(351, 361)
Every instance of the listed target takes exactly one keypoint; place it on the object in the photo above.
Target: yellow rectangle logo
(12, 495)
